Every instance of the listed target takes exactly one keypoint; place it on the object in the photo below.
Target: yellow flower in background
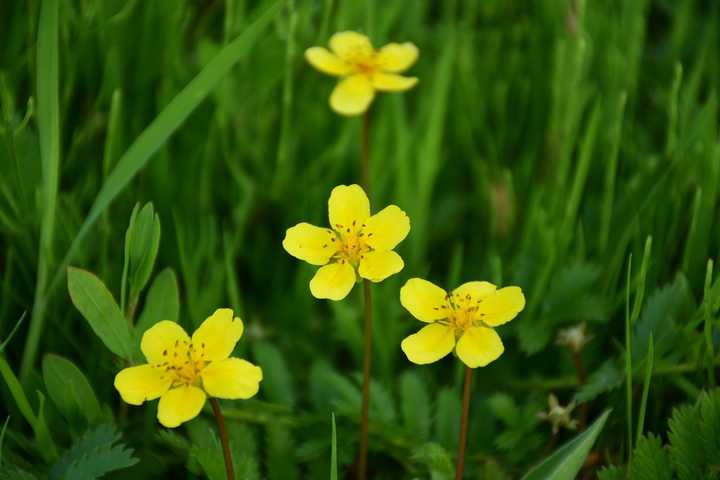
(363, 69)
(463, 320)
(357, 241)
(183, 371)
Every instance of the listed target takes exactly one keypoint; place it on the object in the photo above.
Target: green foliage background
(567, 147)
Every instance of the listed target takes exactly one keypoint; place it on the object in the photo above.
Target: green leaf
(142, 240)
(97, 305)
(650, 460)
(415, 404)
(435, 459)
(13, 472)
(612, 473)
(606, 378)
(695, 437)
(447, 419)
(567, 460)
(93, 455)
(281, 453)
(69, 389)
(161, 303)
(277, 385)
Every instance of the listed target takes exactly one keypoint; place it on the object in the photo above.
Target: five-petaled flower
(364, 70)
(463, 319)
(356, 240)
(182, 371)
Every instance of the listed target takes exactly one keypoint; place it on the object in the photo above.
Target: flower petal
(479, 346)
(501, 307)
(424, 300)
(180, 405)
(389, 82)
(430, 344)
(387, 228)
(348, 207)
(216, 337)
(141, 383)
(473, 292)
(231, 378)
(352, 47)
(377, 266)
(352, 95)
(161, 337)
(326, 61)
(333, 281)
(397, 57)
(313, 244)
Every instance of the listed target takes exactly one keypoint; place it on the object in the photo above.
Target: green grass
(546, 143)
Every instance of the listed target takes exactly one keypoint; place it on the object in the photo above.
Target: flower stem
(464, 424)
(367, 330)
(223, 438)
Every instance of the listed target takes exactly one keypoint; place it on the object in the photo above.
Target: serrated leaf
(69, 389)
(415, 404)
(98, 307)
(93, 455)
(161, 303)
(567, 460)
(612, 473)
(574, 295)
(695, 437)
(650, 460)
(435, 459)
(606, 378)
(661, 317)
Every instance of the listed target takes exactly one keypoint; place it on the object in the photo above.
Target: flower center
(366, 67)
(351, 243)
(183, 363)
(462, 312)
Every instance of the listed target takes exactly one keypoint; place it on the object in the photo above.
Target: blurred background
(564, 146)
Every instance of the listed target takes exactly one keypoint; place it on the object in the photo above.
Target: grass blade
(650, 359)
(333, 452)
(48, 114)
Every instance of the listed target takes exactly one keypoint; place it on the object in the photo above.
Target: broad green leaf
(97, 305)
(567, 460)
(161, 303)
(415, 404)
(277, 385)
(69, 389)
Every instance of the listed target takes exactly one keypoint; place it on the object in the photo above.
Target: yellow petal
(473, 292)
(397, 57)
(430, 344)
(352, 47)
(377, 266)
(216, 337)
(348, 207)
(326, 62)
(502, 306)
(313, 244)
(387, 228)
(352, 95)
(424, 300)
(479, 346)
(141, 383)
(180, 405)
(389, 82)
(333, 281)
(161, 337)
(231, 378)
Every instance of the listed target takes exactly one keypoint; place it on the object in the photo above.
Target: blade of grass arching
(284, 165)
(628, 361)
(708, 327)
(12, 333)
(333, 452)
(650, 359)
(640, 288)
(2, 437)
(48, 115)
(143, 148)
(611, 172)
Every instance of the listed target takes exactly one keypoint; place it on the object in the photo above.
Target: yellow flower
(363, 69)
(182, 371)
(356, 241)
(463, 320)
